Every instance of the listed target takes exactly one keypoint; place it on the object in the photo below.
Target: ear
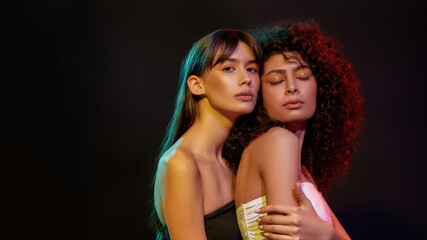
(195, 84)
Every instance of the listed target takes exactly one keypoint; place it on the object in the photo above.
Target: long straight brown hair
(216, 46)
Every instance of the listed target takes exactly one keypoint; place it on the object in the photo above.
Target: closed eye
(304, 73)
(277, 83)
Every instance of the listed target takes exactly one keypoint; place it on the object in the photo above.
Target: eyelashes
(232, 69)
(228, 69)
(277, 82)
(252, 70)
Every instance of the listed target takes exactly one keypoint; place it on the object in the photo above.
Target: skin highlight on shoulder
(275, 136)
(182, 191)
(181, 162)
(177, 160)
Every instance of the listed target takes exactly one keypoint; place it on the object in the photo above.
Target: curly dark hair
(331, 133)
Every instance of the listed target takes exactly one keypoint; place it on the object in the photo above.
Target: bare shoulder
(179, 163)
(273, 144)
(176, 168)
(276, 136)
(181, 194)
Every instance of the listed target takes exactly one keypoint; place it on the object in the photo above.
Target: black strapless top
(220, 224)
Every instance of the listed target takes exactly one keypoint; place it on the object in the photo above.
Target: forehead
(283, 61)
(241, 52)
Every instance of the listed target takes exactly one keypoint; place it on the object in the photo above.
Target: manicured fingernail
(258, 220)
(256, 211)
(266, 234)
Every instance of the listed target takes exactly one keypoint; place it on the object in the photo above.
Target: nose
(245, 79)
(291, 91)
(291, 87)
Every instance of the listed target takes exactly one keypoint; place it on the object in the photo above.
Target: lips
(293, 104)
(245, 96)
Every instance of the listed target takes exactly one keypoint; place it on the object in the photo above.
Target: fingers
(280, 229)
(277, 236)
(279, 219)
(277, 208)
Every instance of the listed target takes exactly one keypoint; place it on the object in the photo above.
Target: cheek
(217, 85)
(272, 93)
(270, 99)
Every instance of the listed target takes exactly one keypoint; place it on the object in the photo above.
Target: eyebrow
(284, 71)
(236, 60)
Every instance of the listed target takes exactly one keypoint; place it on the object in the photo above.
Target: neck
(209, 131)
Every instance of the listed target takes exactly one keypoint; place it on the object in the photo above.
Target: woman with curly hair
(300, 136)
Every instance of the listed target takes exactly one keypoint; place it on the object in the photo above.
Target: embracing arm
(279, 170)
(183, 198)
(337, 231)
(284, 220)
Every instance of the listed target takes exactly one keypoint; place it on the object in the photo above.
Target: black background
(88, 88)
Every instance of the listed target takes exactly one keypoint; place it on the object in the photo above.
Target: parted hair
(210, 50)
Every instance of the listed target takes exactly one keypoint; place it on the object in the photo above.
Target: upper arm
(276, 156)
(183, 199)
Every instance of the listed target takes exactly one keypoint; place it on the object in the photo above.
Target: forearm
(338, 232)
(337, 235)
(325, 231)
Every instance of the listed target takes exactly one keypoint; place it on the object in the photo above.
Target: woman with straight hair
(193, 185)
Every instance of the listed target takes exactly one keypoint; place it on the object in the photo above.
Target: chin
(296, 116)
(290, 119)
(247, 111)
(247, 108)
